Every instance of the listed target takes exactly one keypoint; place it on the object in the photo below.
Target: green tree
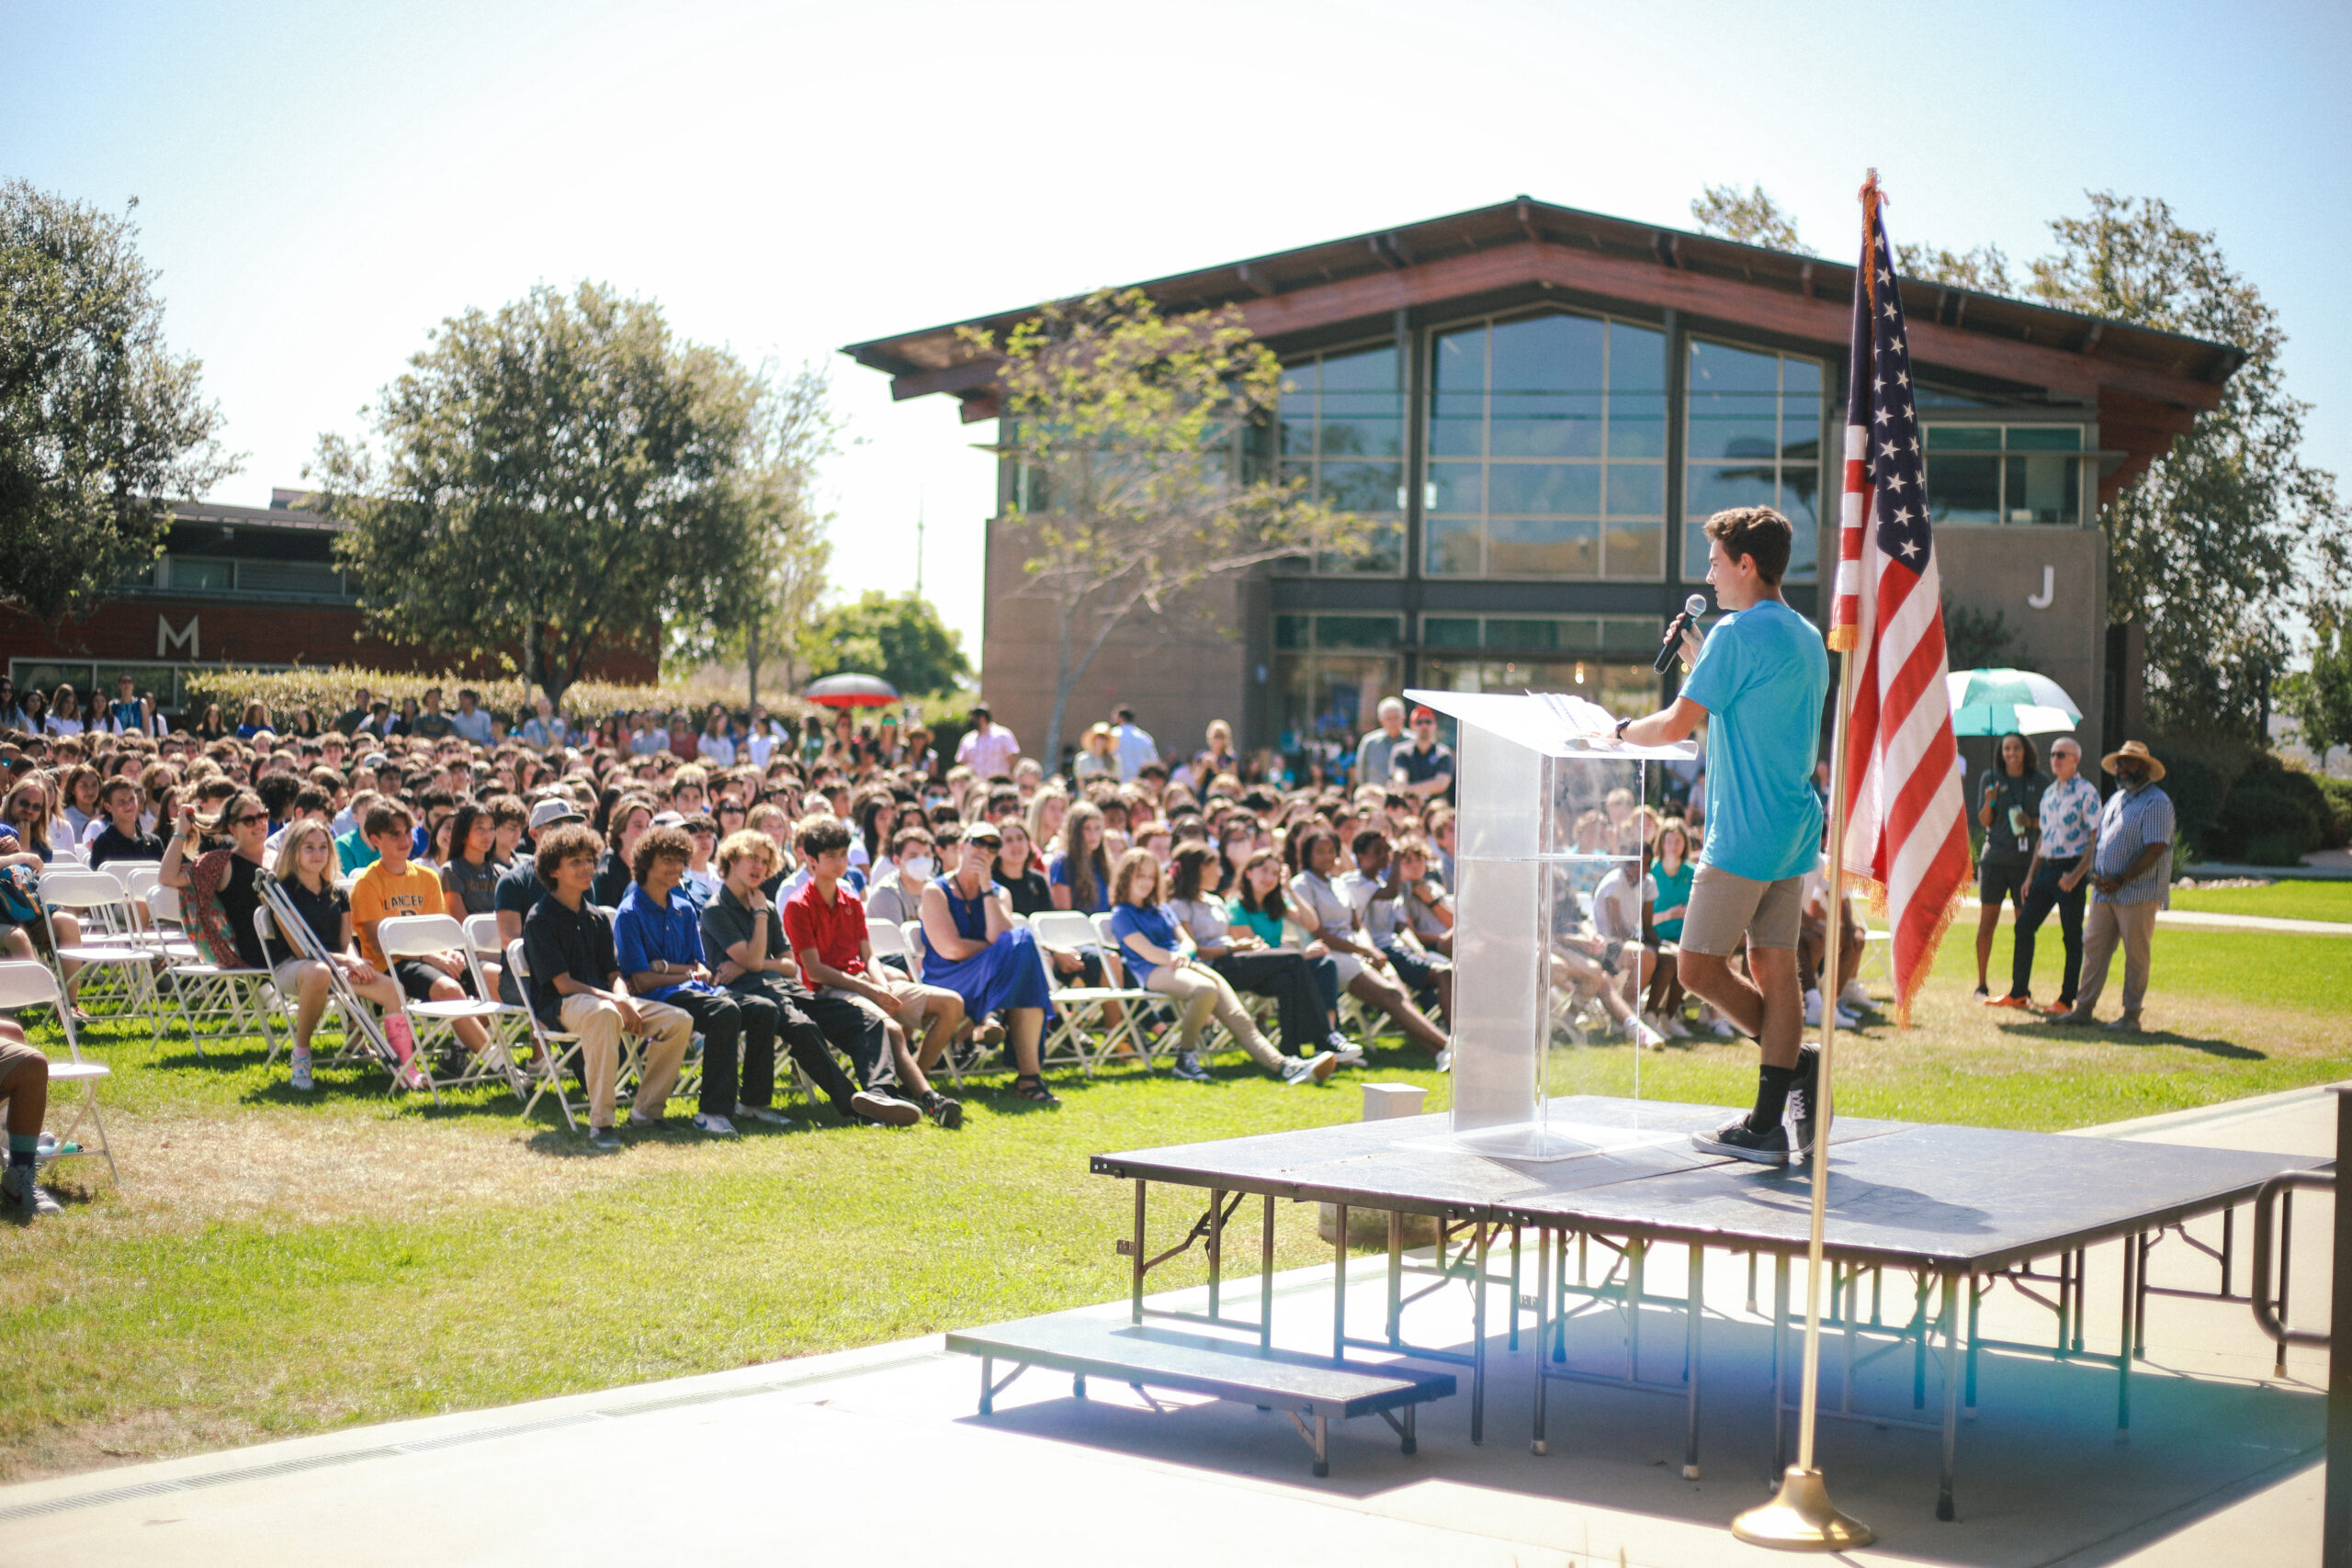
(1984, 268)
(761, 615)
(1751, 216)
(2320, 698)
(1125, 430)
(100, 425)
(900, 637)
(2229, 530)
(556, 479)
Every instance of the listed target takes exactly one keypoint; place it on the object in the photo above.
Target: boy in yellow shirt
(393, 887)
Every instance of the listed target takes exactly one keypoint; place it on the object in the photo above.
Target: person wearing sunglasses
(221, 878)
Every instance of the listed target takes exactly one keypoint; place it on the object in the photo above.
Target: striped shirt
(2133, 820)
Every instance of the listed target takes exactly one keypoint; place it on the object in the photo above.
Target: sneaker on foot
(1444, 1063)
(1982, 994)
(772, 1117)
(21, 1190)
(886, 1110)
(302, 1074)
(604, 1140)
(1317, 1069)
(1349, 1053)
(1647, 1038)
(2127, 1024)
(1673, 1028)
(1740, 1141)
(1187, 1067)
(2076, 1016)
(714, 1126)
(1804, 1101)
(1854, 996)
(948, 1113)
(1813, 1010)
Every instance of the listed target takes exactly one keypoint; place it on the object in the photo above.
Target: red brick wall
(246, 633)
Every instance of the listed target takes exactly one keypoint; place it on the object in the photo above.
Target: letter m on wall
(185, 638)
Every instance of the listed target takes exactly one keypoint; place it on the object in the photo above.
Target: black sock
(1772, 1096)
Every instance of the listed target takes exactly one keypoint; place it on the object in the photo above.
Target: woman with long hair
(876, 817)
(78, 807)
(306, 723)
(306, 864)
(64, 714)
(1670, 897)
(1020, 869)
(1248, 964)
(1325, 914)
(212, 726)
(2008, 808)
(632, 816)
(213, 859)
(26, 824)
(256, 720)
(1080, 875)
(469, 876)
(1152, 942)
(1237, 842)
(1048, 810)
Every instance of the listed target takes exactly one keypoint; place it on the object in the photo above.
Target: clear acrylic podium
(1534, 843)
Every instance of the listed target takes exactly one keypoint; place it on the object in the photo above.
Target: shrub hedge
(327, 692)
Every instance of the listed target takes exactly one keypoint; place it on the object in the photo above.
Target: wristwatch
(1621, 728)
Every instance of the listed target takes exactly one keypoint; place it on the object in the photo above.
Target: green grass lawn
(277, 1265)
(2281, 900)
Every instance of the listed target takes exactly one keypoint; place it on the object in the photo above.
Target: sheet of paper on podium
(1547, 851)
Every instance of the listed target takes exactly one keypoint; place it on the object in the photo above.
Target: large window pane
(1636, 489)
(1565, 426)
(1458, 394)
(1712, 489)
(1362, 487)
(1327, 700)
(1543, 547)
(2044, 489)
(1455, 486)
(1723, 425)
(1549, 354)
(1636, 424)
(1452, 548)
(1547, 488)
(1450, 631)
(1383, 553)
(1965, 490)
(2045, 439)
(1719, 368)
(1637, 550)
(1636, 358)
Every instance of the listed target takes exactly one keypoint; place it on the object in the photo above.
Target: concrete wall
(1178, 668)
(2007, 570)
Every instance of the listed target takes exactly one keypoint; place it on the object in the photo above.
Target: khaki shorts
(13, 1057)
(1725, 907)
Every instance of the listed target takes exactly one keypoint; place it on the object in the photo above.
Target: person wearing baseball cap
(2130, 880)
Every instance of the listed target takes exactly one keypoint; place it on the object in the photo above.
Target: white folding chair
(416, 936)
(557, 1051)
(26, 985)
(214, 1002)
(510, 1025)
(116, 968)
(1079, 1007)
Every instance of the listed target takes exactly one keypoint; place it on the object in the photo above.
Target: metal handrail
(2266, 1314)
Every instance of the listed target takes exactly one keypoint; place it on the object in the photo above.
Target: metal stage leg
(1853, 1306)
(2286, 1256)
(1637, 1254)
(2132, 1263)
(1542, 1330)
(1919, 1345)
(1512, 1342)
(1412, 1443)
(1136, 1287)
(1751, 1280)
(1216, 1248)
(1559, 1303)
(1780, 1361)
(2082, 1280)
(1078, 1385)
(1691, 1356)
(1266, 1280)
(988, 1386)
(1323, 1430)
(1395, 1280)
(1976, 1299)
(2140, 1301)
(1951, 1395)
(1340, 1288)
(1479, 1342)
(2065, 1300)
(2229, 1233)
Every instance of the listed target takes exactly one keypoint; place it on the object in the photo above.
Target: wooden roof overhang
(2147, 386)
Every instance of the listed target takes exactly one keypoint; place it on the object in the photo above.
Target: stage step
(1147, 1355)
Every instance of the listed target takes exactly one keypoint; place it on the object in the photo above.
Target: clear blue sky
(320, 184)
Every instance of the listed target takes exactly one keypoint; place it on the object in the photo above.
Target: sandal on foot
(1034, 1089)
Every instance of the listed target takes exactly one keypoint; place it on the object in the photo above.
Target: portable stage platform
(1942, 1204)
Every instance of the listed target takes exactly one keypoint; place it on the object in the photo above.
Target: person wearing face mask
(897, 897)
(2130, 880)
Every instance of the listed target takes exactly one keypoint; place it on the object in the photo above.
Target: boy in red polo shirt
(825, 924)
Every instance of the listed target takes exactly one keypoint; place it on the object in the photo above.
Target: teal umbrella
(1995, 702)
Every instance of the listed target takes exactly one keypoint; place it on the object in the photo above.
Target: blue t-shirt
(644, 934)
(1762, 674)
(1155, 925)
(1058, 874)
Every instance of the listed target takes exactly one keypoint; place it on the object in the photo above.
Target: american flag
(1904, 827)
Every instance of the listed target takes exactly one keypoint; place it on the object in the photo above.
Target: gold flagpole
(1802, 1518)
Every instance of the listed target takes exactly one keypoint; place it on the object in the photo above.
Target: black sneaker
(948, 1113)
(1804, 1101)
(1740, 1141)
(1187, 1067)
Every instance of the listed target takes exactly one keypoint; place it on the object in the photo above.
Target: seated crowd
(713, 874)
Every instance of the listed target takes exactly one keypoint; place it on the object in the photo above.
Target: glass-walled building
(1536, 410)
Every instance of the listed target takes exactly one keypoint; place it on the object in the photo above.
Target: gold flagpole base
(1802, 1518)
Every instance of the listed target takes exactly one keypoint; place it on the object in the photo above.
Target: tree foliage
(1750, 217)
(762, 616)
(1125, 430)
(550, 480)
(900, 637)
(1984, 268)
(100, 424)
(2320, 698)
(2230, 531)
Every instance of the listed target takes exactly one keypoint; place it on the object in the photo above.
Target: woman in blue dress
(975, 951)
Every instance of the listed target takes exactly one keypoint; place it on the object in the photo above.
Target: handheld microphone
(1692, 608)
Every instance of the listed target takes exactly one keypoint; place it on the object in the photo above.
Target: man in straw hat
(2130, 880)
